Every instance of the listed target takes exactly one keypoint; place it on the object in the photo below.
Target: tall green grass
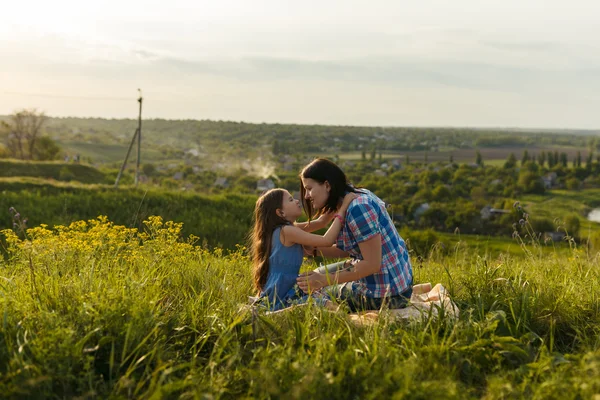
(100, 310)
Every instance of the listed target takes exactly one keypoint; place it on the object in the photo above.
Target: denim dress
(281, 290)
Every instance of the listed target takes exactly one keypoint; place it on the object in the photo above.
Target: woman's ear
(280, 213)
(327, 186)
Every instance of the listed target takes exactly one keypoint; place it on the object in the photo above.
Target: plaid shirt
(365, 218)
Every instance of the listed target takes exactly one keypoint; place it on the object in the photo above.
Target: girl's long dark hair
(321, 170)
(266, 221)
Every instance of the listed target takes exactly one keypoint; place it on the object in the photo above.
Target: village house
(550, 180)
(221, 182)
(192, 152)
(262, 185)
(178, 176)
(555, 236)
(420, 211)
(488, 212)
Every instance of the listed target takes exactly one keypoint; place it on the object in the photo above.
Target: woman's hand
(311, 281)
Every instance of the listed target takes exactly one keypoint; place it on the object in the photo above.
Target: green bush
(420, 242)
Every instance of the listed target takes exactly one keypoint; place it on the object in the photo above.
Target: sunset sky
(425, 63)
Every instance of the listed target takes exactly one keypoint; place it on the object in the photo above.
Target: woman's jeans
(349, 292)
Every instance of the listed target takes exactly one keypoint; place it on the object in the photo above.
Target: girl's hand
(311, 281)
(348, 198)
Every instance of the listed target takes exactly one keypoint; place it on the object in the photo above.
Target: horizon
(464, 64)
(475, 128)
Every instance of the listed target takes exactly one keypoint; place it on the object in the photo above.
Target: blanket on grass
(425, 301)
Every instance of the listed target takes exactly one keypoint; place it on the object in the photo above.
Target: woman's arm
(330, 252)
(369, 265)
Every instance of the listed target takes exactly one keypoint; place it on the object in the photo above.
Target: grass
(108, 153)
(98, 310)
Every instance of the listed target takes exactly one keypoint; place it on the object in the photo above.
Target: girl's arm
(293, 234)
(370, 264)
(316, 224)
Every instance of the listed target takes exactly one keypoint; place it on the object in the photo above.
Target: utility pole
(126, 157)
(138, 135)
(139, 149)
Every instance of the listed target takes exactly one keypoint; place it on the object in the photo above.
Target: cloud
(391, 71)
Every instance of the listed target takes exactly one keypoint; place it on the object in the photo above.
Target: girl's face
(315, 192)
(291, 209)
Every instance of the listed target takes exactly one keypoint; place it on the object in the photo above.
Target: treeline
(447, 197)
(243, 139)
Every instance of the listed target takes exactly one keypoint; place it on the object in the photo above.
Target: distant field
(107, 153)
(493, 246)
(495, 156)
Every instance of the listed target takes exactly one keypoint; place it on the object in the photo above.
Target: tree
(511, 162)
(542, 158)
(525, 157)
(45, 149)
(22, 135)
(551, 160)
(573, 183)
(530, 182)
(589, 162)
(276, 147)
(563, 159)
(479, 159)
(148, 169)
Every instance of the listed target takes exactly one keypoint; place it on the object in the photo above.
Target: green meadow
(94, 309)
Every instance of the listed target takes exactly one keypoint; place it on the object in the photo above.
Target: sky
(474, 63)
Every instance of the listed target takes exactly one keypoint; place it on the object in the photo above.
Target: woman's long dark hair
(266, 221)
(321, 170)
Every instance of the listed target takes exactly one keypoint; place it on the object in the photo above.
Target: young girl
(277, 248)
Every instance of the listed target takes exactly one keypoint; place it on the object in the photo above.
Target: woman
(380, 271)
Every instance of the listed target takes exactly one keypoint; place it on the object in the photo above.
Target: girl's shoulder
(288, 228)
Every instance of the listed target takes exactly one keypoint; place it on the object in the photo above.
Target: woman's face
(315, 192)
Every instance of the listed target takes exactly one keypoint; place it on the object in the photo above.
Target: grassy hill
(220, 220)
(96, 309)
(58, 171)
